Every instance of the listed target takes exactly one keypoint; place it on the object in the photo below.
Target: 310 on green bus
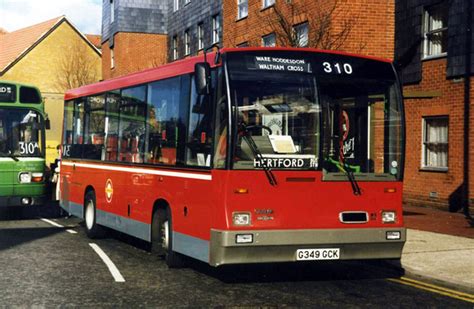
(23, 122)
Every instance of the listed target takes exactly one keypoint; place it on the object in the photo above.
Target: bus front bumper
(282, 245)
(24, 201)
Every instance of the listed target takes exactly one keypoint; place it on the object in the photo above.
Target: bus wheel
(172, 258)
(157, 247)
(93, 230)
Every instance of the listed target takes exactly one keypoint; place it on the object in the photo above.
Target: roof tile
(14, 44)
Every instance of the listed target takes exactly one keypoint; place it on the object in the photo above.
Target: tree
(77, 67)
(327, 27)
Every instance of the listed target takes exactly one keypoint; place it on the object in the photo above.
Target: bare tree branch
(77, 67)
(322, 31)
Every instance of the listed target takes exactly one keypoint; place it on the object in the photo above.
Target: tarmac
(439, 247)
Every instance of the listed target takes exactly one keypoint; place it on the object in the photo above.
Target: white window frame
(430, 30)
(112, 11)
(216, 24)
(429, 142)
(112, 58)
(267, 3)
(187, 43)
(265, 39)
(175, 48)
(299, 29)
(175, 5)
(242, 9)
(200, 32)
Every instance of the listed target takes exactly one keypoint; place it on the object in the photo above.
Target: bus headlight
(389, 216)
(241, 218)
(24, 177)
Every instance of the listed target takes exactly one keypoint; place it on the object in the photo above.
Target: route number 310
(337, 68)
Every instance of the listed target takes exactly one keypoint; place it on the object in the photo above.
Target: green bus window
(29, 95)
(7, 93)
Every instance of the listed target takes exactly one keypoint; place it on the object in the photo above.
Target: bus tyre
(157, 247)
(93, 230)
(172, 258)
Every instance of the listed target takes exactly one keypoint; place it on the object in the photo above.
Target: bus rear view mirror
(47, 124)
(202, 76)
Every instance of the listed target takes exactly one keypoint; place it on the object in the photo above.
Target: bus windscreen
(20, 133)
(320, 111)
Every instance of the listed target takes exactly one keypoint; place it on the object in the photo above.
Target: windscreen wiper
(350, 175)
(256, 152)
(11, 155)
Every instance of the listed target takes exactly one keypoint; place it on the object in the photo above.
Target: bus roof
(183, 66)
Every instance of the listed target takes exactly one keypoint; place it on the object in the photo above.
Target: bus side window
(199, 136)
(67, 128)
(132, 125)
(75, 149)
(112, 130)
(164, 122)
(94, 130)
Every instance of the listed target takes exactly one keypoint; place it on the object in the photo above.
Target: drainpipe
(467, 90)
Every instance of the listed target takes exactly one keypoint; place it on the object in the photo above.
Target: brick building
(436, 53)
(134, 35)
(430, 33)
(139, 34)
(360, 26)
(193, 26)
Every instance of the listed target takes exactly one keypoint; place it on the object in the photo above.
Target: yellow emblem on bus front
(109, 190)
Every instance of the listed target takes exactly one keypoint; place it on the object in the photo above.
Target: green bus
(23, 173)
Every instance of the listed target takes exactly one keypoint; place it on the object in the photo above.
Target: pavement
(439, 247)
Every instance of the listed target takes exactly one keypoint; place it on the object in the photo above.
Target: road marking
(58, 225)
(112, 268)
(435, 289)
(52, 223)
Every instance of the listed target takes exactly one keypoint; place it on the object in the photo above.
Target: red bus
(248, 155)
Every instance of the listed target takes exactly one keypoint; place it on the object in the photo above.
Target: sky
(86, 15)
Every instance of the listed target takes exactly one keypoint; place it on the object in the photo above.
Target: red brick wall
(134, 52)
(372, 31)
(419, 183)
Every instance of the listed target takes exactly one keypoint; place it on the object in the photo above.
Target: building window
(216, 29)
(112, 58)
(242, 8)
(435, 143)
(243, 44)
(200, 36)
(175, 5)
(269, 40)
(186, 2)
(175, 47)
(301, 35)
(112, 11)
(267, 3)
(435, 31)
(187, 43)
